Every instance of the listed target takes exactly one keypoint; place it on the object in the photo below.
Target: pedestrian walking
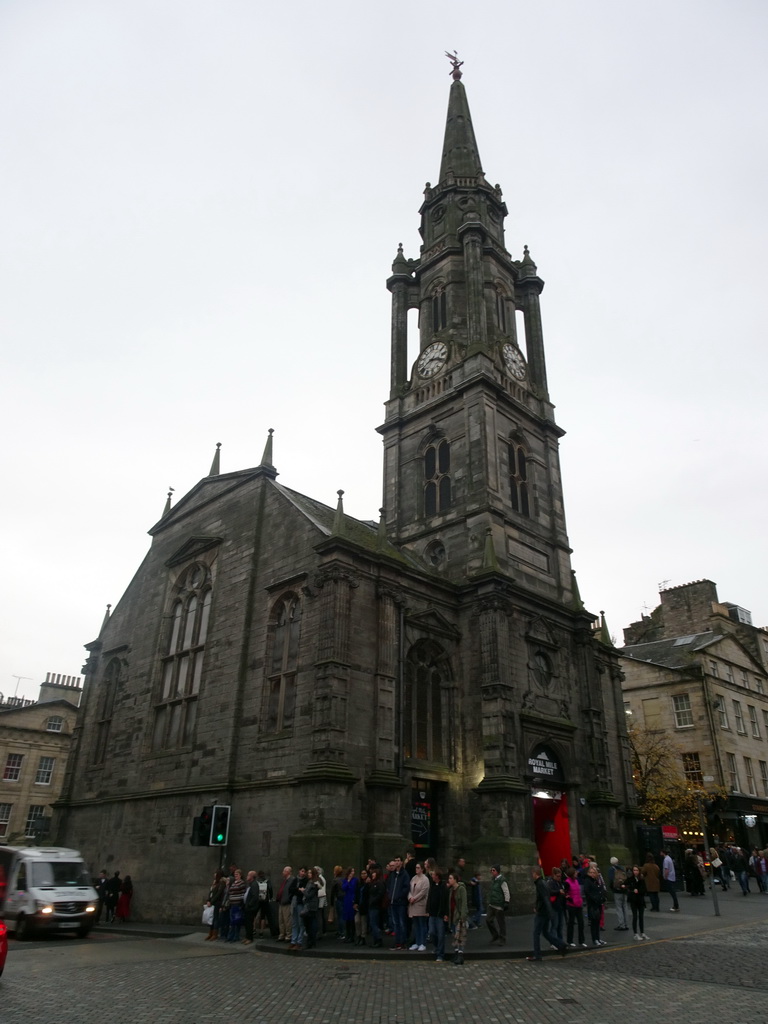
(543, 918)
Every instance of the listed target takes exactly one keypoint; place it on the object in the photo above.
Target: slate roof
(673, 653)
(362, 532)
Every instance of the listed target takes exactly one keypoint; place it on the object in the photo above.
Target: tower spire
(167, 508)
(216, 463)
(460, 153)
(338, 519)
(603, 633)
(266, 458)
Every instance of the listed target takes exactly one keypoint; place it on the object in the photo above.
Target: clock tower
(352, 689)
(471, 465)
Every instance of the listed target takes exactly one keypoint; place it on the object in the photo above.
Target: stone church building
(353, 688)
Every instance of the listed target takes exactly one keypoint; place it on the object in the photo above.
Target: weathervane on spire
(455, 65)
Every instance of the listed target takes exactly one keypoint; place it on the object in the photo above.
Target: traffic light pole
(707, 847)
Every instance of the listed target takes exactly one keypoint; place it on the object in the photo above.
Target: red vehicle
(3, 945)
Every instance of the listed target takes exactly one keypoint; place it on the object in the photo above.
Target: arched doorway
(551, 824)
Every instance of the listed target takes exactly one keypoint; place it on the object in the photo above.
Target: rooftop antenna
(18, 680)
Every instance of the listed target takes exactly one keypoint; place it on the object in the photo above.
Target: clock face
(432, 359)
(514, 361)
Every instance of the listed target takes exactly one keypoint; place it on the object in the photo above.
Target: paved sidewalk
(698, 968)
(696, 917)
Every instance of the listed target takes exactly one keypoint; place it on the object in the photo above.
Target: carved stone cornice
(336, 574)
(493, 603)
(386, 589)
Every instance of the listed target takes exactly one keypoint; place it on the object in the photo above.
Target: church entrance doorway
(551, 824)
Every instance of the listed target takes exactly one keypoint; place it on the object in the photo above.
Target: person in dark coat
(594, 898)
(349, 889)
(376, 896)
(112, 896)
(398, 889)
(636, 901)
(310, 906)
(100, 885)
(250, 906)
(543, 918)
(437, 910)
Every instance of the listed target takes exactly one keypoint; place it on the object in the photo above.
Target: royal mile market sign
(544, 766)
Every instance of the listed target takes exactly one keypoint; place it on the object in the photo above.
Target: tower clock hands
(432, 359)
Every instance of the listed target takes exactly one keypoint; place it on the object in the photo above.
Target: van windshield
(59, 872)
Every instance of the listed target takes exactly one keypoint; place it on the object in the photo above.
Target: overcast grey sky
(201, 204)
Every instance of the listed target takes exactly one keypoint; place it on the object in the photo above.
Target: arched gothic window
(106, 704)
(437, 480)
(518, 478)
(282, 664)
(439, 310)
(426, 677)
(182, 668)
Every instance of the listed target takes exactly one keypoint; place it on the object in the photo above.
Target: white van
(45, 889)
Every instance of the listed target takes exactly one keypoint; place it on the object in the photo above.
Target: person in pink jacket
(417, 908)
(574, 906)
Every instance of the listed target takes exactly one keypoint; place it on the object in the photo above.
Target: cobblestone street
(714, 975)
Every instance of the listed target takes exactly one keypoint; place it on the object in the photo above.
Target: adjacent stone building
(352, 688)
(34, 745)
(700, 678)
(694, 608)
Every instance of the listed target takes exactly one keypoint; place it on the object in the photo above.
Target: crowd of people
(418, 906)
(408, 903)
(115, 896)
(729, 863)
(578, 890)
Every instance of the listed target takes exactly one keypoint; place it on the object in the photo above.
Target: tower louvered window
(439, 310)
(518, 479)
(437, 486)
(501, 311)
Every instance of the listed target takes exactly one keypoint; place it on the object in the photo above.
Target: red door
(551, 830)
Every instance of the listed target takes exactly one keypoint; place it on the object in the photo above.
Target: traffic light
(201, 828)
(220, 825)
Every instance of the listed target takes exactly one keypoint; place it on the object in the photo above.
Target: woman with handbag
(215, 899)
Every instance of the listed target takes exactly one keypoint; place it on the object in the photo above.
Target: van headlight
(89, 909)
(43, 907)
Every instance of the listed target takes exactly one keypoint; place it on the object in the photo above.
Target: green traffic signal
(220, 825)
